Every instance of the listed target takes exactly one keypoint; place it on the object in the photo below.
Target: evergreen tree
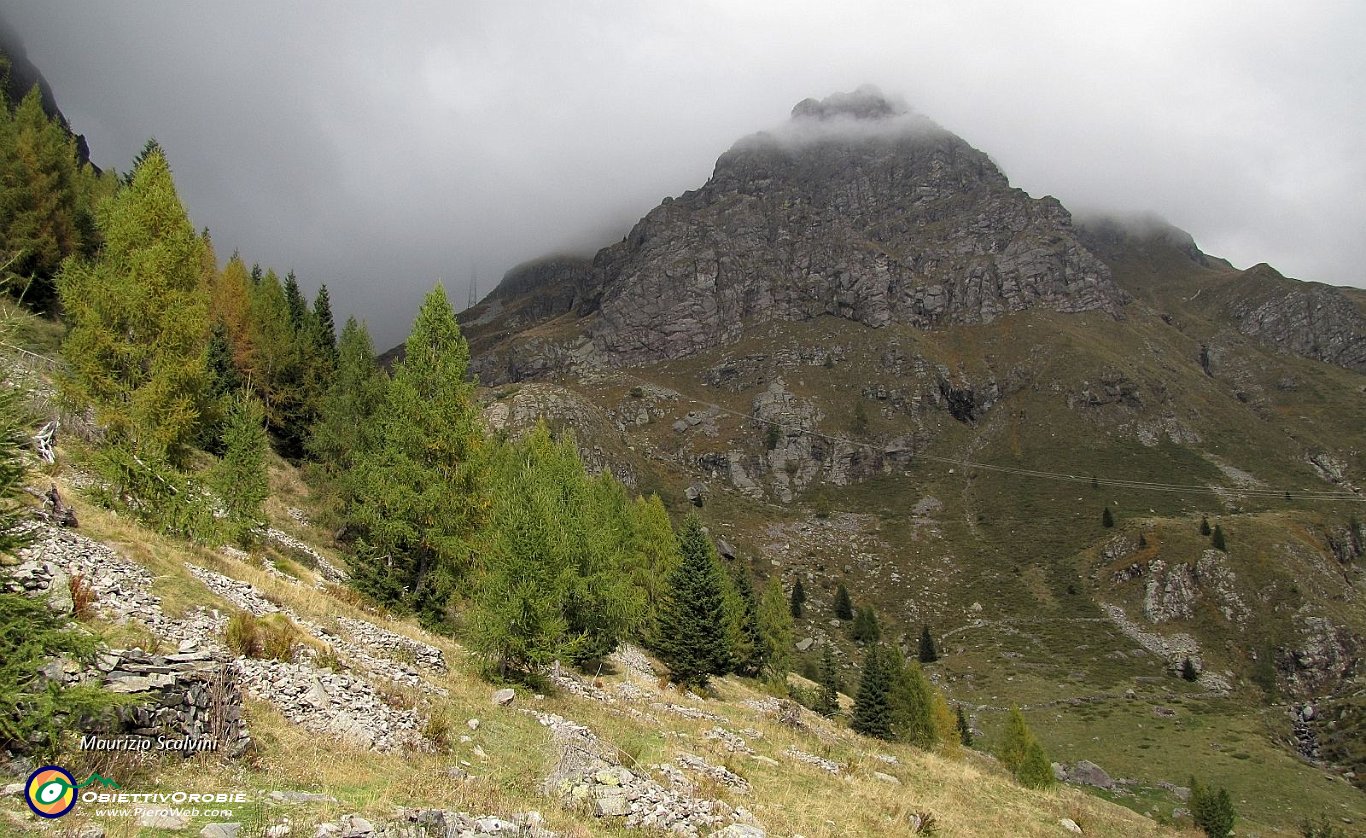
(274, 371)
(964, 729)
(928, 654)
(912, 704)
(1188, 670)
(798, 598)
(747, 652)
(1212, 811)
(419, 493)
(691, 637)
(844, 609)
(604, 604)
(873, 713)
(1204, 526)
(294, 302)
(348, 416)
(775, 629)
(324, 328)
(1035, 772)
(858, 424)
(1217, 539)
(139, 326)
(866, 629)
(223, 382)
(828, 699)
(241, 478)
(1107, 518)
(1142, 541)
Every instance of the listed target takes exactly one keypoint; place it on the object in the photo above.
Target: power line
(1121, 483)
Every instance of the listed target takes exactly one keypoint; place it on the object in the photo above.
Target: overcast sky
(380, 146)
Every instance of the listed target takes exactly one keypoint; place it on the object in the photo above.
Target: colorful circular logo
(50, 792)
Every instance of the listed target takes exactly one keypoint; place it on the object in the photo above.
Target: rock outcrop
(856, 208)
(1306, 318)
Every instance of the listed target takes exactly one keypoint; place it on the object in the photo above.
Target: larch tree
(912, 704)
(138, 316)
(775, 629)
(420, 495)
(651, 561)
(241, 477)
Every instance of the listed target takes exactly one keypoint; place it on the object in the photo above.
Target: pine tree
(348, 416)
(858, 424)
(775, 629)
(1217, 539)
(828, 700)
(1142, 541)
(964, 729)
(139, 326)
(872, 714)
(1204, 526)
(241, 478)
(294, 303)
(420, 495)
(691, 637)
(798, 599)
(223, 383)
(324, 328)
(1188, 670)
(844, 609)
(866, 629)
(928, 654)
(1107, 518)
(1212, 811)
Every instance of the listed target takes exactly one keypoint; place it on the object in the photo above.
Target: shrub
(242, 636)
(82, 597)
(1217, 539)
(279, 637)
(1188, 670)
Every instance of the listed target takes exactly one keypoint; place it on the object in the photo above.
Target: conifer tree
(138, 316)
(348, 416)
(13, 441)
(1211, 810)
(604, 603)
(1188, 670)
(691, 637)
(798, 598)
(230, 305)
(420, 495)
(873, 714)
(827, 700)
(1107, 518)
(866, 629)
(241, 478)
(964, 729)
(44, 201)
(294, 302)
(844, 609)
(1022, 753)
(775, 629)
(912, 704)
(530, 556)
(651, 561)
(928, 654)
(1217, 539)
(747, 651)
(324, 328)
(223, 383)
(274, 373)
(1204, 526)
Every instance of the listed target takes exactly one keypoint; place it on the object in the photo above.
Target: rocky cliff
(856, 208)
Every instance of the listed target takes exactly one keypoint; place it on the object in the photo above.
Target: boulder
(504, 697)
(221, 830)
(1089, 774)
(1070, 825)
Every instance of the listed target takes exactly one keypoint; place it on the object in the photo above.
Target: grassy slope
(1025, 549)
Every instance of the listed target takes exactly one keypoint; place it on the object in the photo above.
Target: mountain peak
(867, 102)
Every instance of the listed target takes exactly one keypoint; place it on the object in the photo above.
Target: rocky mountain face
(856, 208)
(22, 75)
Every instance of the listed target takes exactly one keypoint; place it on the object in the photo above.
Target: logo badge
(50, 791)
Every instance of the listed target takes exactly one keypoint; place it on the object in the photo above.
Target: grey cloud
(382, 146)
